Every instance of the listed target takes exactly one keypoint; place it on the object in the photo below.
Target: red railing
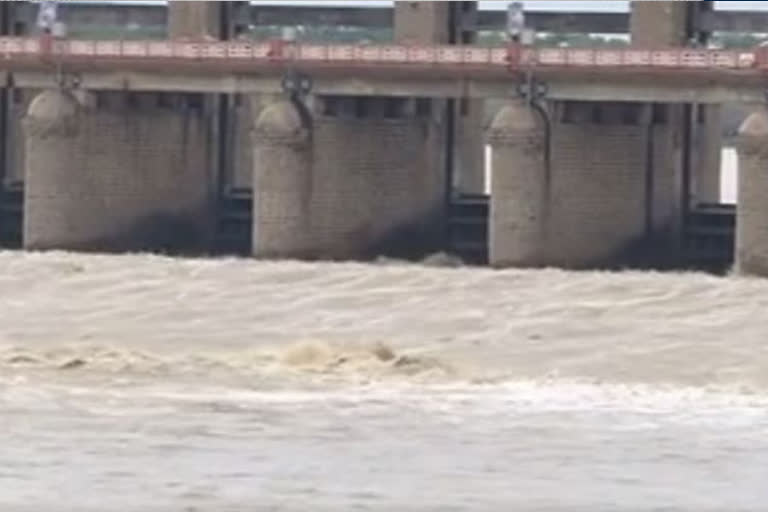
(512, 57)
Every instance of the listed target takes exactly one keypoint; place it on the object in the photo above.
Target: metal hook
(532, 90)
(296, 84)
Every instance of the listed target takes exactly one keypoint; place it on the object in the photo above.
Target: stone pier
(521, 188)
(752, 216)
(367, 175)
(670, 23)
(617, 172)
(195, 19)
(118, 173)
(451, 23)
(345, 178)
(113, 171)
(574, 199)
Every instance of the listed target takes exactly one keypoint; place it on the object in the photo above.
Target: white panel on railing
(637, 57)
(159, 49)
(694, 59)
(30, 46)
(134, 49)
(213, 50)
(499, 56)
(186, 50)
(666, 58)
(370, 54)
(341, 52)
(84, 48)
(393, 53)
(60, 48)
(291, 51)
(746, 60)
(476, 55)
(261, 51)
(421, 54)
(314, 52)
(609, 57)
(724, 60)
(529, 57)
(449, 55)
(551, 57)
(108, 48)
(13, 45)
(240, 51)
(580, 57)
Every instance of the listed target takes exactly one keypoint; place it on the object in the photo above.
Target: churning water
(140, 383)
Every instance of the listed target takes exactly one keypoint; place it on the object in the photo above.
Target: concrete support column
(282, 183)
(194, 19)
(443, 22)
(353, 180)
(599, 188)
(708, 157)
(128, 172)
(658, 24)
(752, 216)
(520, 185)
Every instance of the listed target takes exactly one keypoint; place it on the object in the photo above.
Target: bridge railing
(510, 57)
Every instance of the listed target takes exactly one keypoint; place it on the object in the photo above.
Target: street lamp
(515, 21)
(516, 29)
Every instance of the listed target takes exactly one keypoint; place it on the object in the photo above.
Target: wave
(139, 314)
(375, 360)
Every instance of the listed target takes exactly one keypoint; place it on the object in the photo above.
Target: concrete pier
(350, 183)
(520, 204)
(708, 157)
(451, 23)
(615, 177)
(110, 171)
(128, 174)
(752, 213)
(661, 25)
(598, 188)
(282, 182)
(194, 19)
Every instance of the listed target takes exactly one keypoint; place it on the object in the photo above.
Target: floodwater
(140, 383)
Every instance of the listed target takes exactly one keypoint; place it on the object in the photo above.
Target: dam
(207, 141)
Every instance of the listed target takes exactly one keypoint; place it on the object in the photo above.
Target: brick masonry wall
(518, 211)
(372, 179)
(597, 199)
(282, 184)
(752, 214)
(130, 178)
(15, 170)
(193, 19)
(667, 178)
(355, 188)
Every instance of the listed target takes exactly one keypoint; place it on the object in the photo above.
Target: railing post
(761, 57)
(514, 55)
(276, 47)
(46, 44)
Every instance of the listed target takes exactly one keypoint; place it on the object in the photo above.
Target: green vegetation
(342, 34)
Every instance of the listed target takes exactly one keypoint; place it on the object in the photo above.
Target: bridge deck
(675, 75)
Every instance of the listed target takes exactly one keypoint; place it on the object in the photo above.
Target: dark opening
(194, 102)
(394, 108)
(362, 107)
(423, 108)
(132, 100)
(164, 100)
(330, 106)
(660, 114)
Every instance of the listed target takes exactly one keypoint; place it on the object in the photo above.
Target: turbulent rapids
(150, 315)
(221, 384)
